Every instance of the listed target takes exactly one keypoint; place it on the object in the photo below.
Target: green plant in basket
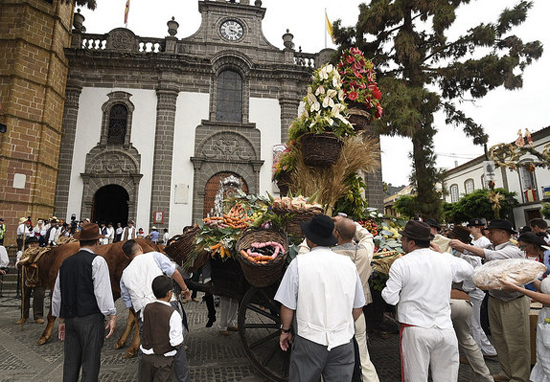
(325, 107)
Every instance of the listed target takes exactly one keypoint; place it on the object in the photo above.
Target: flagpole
(326, 28)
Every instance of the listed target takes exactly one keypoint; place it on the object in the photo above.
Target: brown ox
(48, 267)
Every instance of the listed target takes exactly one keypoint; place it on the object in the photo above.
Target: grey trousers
(83, 341)
(309, 361)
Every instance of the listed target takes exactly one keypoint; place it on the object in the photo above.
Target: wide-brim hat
(501, 224)
(89, 231)
(22, 220)
(153, 227)
(320, 230)
(532, 238)
(433, 223)
(476, 222)
(462, 234)
(417, 230)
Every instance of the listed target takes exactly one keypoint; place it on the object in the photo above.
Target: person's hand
(2, 272)
(186, 295)
(61, 331)
(111, 325)
(457, 244)
(285, 340)
(435, 247)
(507, 285)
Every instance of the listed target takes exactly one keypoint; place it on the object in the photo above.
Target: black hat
(462, 234)
(501, 224)
(532, 238)
(476, 222)
(417, 230)
(31, 239)
(320, 230)
(433, 223)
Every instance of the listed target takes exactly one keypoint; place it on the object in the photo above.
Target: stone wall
(33, 72)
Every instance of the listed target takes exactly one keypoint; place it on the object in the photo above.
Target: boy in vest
(162, 334)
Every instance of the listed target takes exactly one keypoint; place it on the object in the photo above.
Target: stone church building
(151, 125)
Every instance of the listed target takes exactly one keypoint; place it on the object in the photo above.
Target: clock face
(232, 30)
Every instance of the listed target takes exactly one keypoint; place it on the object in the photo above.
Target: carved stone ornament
(121, 39)
(227, 146)
(113, 163)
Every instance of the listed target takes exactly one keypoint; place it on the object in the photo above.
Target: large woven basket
(296, 217)
(181, 249)
(261, 275)
(320, 150)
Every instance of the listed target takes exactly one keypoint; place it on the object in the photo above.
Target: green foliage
(421, 71)
(477, 205)
(407, 205)
(545, 210)
(91, 4)
(353, 203)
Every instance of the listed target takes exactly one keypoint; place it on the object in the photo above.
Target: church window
(118, 120)
(454, 193)
(229, 102)
(528, 184)
(469, 186)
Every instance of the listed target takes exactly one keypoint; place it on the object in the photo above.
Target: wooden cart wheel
(259, 323)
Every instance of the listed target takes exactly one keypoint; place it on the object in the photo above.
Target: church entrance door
(213, 187)
(111, 205)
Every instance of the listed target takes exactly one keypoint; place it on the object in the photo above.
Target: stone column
(375, 190)
(162, 157)
(70, 118)
(289, 112)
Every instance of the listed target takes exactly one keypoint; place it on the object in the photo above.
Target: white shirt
(176, 333)
(482, 242)
(420, 284)
(22, 229)
(137, 277)
(4, 258)
(323, 288)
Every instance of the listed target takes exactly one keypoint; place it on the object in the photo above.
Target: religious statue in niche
(229, 186)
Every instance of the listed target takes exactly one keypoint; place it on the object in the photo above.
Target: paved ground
(211, 356)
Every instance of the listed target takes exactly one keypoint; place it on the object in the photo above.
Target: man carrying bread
(508, 311)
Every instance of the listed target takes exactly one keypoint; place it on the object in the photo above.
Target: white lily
(341, 95)
(331, 93)
(329, 120)
(328, 102)
(320, 90)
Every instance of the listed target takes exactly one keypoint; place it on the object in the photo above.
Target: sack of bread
(517, 271)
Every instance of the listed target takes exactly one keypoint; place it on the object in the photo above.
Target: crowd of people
(439, 308)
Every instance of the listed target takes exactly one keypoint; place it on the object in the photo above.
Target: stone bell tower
(33, 73)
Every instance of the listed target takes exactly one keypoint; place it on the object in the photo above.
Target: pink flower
(357, 74)
(379, 111)
(362, 86)
(350, 59)
(355, 51)
(352, 96)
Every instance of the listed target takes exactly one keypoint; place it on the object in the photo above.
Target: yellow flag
(329, 27)
(126, 11)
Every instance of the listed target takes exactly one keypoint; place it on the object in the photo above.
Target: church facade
(150, 126)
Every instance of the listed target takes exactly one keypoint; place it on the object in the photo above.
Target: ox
(48, 267)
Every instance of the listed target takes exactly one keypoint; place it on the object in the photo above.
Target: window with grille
(528, 184)
(454, 193)
(469, 186)
(118, 120)
(229, 103)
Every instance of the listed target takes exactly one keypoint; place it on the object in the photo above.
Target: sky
(502, 113)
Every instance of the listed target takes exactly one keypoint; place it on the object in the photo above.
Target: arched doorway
(213, 186)
(111, 205)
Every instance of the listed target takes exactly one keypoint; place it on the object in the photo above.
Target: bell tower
(33, 73)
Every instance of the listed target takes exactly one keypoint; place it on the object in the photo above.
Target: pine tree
(91, 4)
(421, 71)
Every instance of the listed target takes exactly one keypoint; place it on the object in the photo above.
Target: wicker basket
(320, 149)
(181, 247)
(261, 275)
(292, 226)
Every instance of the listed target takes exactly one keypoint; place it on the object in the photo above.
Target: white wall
(266, 114)
(191, 108)
(88, 135)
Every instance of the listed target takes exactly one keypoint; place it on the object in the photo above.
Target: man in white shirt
(420, 285)
(129, 232)
(322, 344)
(23, 233)
(508, 311)
(110, 233)
(136, 291)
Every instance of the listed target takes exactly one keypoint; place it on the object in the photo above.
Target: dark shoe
(210, 322)
(39, 320)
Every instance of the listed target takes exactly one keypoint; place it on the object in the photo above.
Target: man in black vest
(81, 299)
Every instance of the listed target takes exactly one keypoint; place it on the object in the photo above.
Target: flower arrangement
(286, 162)
(325, 107)
(359, 81)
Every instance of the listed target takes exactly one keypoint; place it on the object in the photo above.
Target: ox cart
(258, 316)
